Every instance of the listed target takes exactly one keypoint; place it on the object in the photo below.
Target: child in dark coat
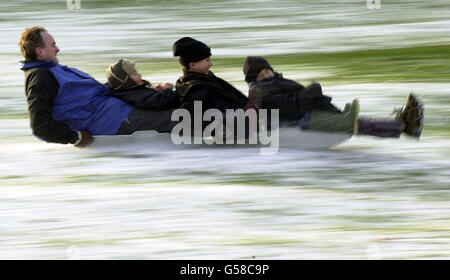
(200, 84)
(311, 109)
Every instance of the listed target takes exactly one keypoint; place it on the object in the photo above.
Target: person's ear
(192, 65)
(39, 51)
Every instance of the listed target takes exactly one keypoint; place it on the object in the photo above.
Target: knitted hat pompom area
(190, 50)
(253, 66)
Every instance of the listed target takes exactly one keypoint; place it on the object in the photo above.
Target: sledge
(288, 138)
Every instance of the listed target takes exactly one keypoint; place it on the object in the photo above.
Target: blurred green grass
(413, 64)
(423, 64)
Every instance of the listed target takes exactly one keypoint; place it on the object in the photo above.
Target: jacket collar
(275, 77)
(36, 63)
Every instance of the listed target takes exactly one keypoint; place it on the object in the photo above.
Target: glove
(84, 139)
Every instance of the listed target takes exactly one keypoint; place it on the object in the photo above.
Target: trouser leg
(139, 120)
(331, 121)
(379, 127)
(318, 120)
(335, 122)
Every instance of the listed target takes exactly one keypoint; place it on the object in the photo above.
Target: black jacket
(211, 90)
(41, 89)
(291, 98)
(147, 98)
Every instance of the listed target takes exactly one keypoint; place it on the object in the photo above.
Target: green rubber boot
(346, 122)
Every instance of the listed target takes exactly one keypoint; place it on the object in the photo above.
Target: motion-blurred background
(367, 198)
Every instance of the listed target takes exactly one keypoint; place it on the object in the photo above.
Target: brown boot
(411, 116)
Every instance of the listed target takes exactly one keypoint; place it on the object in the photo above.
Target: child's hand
(163, 86)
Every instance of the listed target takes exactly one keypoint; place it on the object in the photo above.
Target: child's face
(136, 77)
(265, 73)
(201, 66)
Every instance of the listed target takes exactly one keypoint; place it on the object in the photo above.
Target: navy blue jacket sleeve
(147, 98)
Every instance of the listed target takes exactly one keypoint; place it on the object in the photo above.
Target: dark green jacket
(291, 98)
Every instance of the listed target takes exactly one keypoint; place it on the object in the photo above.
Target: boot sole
(355, 120)
(420, 114)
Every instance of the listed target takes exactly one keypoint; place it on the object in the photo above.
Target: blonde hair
(30, 39)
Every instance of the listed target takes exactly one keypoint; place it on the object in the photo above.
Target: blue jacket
(83, 103)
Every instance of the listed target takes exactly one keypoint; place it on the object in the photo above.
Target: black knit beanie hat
(190, 50)
(118, 75)
(252, 66)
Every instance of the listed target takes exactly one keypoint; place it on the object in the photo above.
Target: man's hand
(163, 86)
(84, 139)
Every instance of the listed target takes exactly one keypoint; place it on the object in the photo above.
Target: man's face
(49, 51)
(201, 66)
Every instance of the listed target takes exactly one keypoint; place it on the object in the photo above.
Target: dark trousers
(366, 126)
(160, 121)
(379, 127)
(139, 120)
